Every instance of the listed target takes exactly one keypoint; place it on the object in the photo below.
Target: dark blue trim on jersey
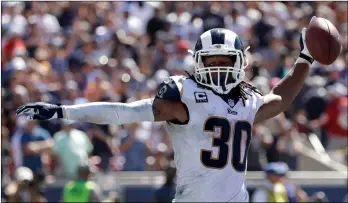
(168, 90)
(228, 96)
(217, 36)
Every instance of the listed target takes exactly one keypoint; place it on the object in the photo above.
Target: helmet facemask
(221, 79)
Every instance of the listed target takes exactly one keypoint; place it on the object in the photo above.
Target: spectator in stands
(257, 153)
(46, 21)
(294, 192)
(71, 146)
(166, 192)
(334, 73)
(34, 142)
(156, 23)
(182, 61)
(273, 189)
(277, 187)
(14, 45)
(24, 188)
(103, 143)
(314, 100)
(133, 150)
(82, 189)
(5, 152)
(16, 149)
(239, 23)
(334, 120)
(285, 143)
(211, 16)
(279, 126)
(262, 30)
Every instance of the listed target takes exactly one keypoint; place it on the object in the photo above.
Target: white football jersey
(211, 148)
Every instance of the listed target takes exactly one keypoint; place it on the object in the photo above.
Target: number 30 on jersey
(238, 161)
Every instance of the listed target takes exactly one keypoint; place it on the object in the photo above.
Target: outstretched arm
(110, 113)
(95, 112)
(165, 107)
(105, 112)
(287, 89)
(121, 113)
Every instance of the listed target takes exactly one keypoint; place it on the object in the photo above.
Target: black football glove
(40, 111)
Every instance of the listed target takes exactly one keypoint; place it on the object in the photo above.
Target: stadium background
(75, 52)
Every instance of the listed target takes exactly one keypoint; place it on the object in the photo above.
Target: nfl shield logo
(231, 102)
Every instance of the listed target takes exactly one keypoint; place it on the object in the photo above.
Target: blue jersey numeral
(238, 157)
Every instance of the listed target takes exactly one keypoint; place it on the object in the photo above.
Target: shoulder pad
(171, 88)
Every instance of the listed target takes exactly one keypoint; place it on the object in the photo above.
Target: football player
(209, 115)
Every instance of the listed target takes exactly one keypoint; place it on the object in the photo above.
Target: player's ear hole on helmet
(219, 60)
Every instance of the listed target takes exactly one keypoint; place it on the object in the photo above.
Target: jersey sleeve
(171, 89)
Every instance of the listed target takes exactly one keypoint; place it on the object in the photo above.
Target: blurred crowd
(75, 52)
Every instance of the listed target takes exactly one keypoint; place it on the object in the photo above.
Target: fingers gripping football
(304, 50)
(40, 111)
(303, 45)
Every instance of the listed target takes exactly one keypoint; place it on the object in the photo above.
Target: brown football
(323, 41)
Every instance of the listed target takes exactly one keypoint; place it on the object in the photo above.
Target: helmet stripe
(238, 44)
(198, 45)
(217, 36)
